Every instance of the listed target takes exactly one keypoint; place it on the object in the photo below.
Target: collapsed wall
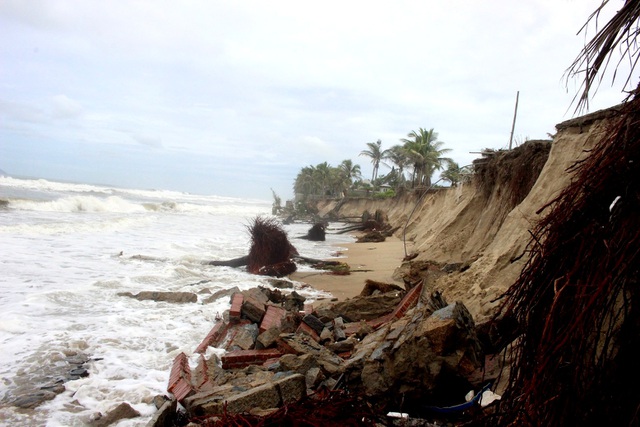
(485, 225)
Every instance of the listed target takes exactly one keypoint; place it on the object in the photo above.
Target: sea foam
(70, 253)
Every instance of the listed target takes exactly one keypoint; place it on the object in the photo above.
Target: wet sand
(374, 261)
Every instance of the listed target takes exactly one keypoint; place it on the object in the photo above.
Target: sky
(233, 98)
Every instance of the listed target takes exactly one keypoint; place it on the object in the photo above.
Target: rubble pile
(279, 350)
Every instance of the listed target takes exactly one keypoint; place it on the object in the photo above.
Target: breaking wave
(79, 204)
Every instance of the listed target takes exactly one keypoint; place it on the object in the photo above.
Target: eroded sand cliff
(484, 225)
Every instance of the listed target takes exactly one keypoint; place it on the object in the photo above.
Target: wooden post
(513, 125)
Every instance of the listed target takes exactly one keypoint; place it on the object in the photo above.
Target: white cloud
(285, 84)
(65, 108)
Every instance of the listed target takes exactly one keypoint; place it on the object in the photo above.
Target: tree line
(412, 164)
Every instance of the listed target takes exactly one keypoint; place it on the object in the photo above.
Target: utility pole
(513, 125)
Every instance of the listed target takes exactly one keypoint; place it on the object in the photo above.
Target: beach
(375, 261)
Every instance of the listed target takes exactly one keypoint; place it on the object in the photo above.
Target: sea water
(68, 252)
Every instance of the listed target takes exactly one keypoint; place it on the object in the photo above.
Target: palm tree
(455, 174)
(349, 170)
(376, 154)
(426, 153)
(618, 36)
(305, 182)
(398, 157)
(323, 177)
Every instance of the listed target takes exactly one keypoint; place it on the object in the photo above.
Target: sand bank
(375, 261)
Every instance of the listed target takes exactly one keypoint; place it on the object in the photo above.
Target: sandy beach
(375, 261)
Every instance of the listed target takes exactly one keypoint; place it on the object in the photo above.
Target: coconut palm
(398, 158)
(426, 154)
(349, 170)
(620, 35)
(323, 177)
(455, 174)
(305, 181)
(376, 154)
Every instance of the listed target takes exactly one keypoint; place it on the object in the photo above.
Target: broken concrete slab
(269, 395)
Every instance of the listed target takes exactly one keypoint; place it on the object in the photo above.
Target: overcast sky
(235, 97)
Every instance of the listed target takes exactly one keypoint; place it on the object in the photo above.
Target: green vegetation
(456, 174)
(420, 155)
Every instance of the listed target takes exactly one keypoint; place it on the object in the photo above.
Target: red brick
(304, 328)
(243, 358)
(236, 306)
(376, 323)
(407, 302)
(284, 347)
(180, 377)
(272, 318)
(214, 337)
(182, 389)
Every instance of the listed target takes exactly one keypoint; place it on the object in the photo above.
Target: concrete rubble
(279, 351)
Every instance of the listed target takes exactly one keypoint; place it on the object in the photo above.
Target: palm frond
(620, 32)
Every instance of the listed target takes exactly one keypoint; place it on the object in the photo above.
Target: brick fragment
(408, 301)
(306, 329)
(214, 337)
(314, 323)
(272, 318)
(243, 358)
(236, 307)
(180, 378)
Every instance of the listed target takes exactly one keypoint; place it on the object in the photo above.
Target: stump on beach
(269, 246)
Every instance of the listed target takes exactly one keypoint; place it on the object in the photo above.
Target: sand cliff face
(485, 224)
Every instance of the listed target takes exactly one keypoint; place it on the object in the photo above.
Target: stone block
(313, 377)
(216, 394)
(294, 302)
(200, 379)
(164, 416)
(264, 396)
(245, 337)
(253, 309)
(268, 338)
(170, 297)
(292, 388)
(256, 294)
(314, 323)
(326, 335)
(325, 314)
(343, 346)
(298, 364)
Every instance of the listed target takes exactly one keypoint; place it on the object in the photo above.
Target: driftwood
(357, 227)
(241, 261)
(236, 262)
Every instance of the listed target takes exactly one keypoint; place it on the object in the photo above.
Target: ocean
(68, 251)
